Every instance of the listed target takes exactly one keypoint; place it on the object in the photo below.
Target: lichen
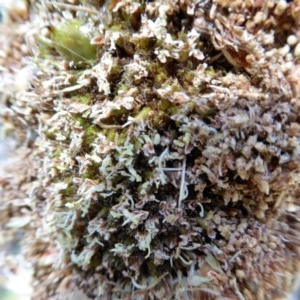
(168, 165)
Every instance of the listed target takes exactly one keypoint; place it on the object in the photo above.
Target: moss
(160, 78)
(45, 48)
(91, 133)
(73, 44)
(50, 135)
(111, 135)
(78, 119)
(145, 186)
(116, 72)
(188, 77)
(92, 172)
(145, 43)
(143, 114)
(210, 71)
(121, 138)
(68, 192)
(84, 99)
(160, 120)
(126, 45)
(165, 105)
(119, 112)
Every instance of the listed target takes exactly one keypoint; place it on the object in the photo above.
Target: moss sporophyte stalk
(163, 145)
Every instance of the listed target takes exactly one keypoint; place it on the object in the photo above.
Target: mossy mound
(169, 147)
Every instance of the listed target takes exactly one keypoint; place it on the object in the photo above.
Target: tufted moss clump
(169, 167)
(72, 43)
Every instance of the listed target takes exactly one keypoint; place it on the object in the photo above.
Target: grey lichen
(168, 166)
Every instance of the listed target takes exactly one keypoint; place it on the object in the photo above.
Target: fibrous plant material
(165, 147)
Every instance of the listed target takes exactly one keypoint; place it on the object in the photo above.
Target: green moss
(116, 28)
(184, 55)
(165, 105)
(122, 137)
(70, 190)
(210, 71)
(124, 43)
(160, 78)
(205, 112)
(160, 120)
(174, 110)
(70, 42)
(188, 77)
(80, 120)
(146, 43)
(119, 112)
(115, 72)
(111, 135)
(84, 99)
(91, 171)
(143, 114)
(45, 48)
(158, 73)
(50, 135)
(91, 134)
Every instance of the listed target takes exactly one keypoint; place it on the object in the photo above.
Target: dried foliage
(165, 146)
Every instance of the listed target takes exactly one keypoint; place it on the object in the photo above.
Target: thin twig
(182, 194)
(72, 7)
